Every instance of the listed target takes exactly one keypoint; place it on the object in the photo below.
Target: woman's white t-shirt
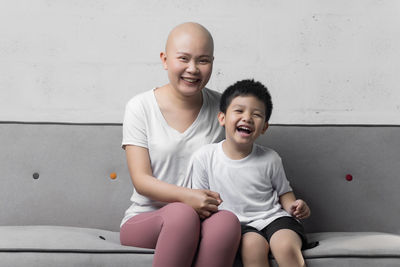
(169, 150)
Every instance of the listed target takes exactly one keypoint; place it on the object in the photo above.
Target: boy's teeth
(243, 128)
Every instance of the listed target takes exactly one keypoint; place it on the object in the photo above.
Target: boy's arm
(296, 207)
(199, 178)
(197, 173)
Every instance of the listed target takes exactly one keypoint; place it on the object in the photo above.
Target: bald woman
(162, 128)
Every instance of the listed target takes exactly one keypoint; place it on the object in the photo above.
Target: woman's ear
(221, 118)
(163, 57)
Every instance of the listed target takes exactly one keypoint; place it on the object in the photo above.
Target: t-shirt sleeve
(278, 179)
(134, 124)
(197, 173)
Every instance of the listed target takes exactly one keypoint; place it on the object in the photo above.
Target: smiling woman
(161, 129)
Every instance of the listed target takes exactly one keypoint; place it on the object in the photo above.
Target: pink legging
(174, 231)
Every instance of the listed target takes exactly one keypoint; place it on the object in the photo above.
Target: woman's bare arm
(203, 201)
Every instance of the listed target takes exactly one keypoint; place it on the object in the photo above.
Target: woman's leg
(172, 230)
(220, 238)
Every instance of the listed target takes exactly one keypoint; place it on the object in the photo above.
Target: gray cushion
(355, 249)
(85, 240)
(56, 246)
(63, 239)
(354, 244)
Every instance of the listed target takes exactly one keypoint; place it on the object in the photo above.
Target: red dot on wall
(349, 177)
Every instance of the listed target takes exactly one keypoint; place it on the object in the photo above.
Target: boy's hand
(204, 202)
(300, 209)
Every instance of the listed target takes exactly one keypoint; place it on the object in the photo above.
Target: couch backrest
(74, 163)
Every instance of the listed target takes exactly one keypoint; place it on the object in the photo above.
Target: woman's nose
(192, 67)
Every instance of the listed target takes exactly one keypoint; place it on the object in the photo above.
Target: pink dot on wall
(349, 177)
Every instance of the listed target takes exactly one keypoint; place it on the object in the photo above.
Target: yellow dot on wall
(113, 175)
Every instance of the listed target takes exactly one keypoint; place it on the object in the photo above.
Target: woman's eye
(204, 61)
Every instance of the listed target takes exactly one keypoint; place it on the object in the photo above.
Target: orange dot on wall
(113, 175)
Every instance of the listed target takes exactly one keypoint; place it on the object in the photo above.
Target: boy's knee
(254, 249)
(286, 242)
(254, 243)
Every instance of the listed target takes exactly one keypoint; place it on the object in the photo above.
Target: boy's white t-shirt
(169, 150)
(249, 187)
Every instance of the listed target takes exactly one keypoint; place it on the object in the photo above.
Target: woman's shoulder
(142, 99)
(212, 94)
(212, 99)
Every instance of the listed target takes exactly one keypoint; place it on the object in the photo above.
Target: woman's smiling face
(188, 60)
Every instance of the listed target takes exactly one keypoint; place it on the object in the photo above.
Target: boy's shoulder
(266, 152)
(206, 149)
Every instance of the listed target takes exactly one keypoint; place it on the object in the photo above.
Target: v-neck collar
(171, 129)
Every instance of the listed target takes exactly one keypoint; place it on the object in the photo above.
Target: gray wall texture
(325, 62)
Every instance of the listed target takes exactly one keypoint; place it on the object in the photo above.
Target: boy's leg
(286, 247)
(254, 250)
(220, 238)
(172, 230)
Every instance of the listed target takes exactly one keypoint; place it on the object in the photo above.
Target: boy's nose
(246, 117)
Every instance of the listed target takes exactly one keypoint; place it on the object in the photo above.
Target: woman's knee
(223, 225)
(227, 222)
(181, 216)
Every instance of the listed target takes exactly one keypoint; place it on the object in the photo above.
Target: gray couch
(59, 206)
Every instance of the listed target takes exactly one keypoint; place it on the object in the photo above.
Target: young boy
(251, 180)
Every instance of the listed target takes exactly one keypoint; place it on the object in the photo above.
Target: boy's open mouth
(244, 129)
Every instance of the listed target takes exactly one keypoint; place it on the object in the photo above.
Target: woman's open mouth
(191, 80)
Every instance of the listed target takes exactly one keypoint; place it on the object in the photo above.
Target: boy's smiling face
(188, 58)
(244, 121)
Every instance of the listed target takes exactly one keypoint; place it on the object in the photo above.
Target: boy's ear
(221, 118)
(266, 125)
(163, 57)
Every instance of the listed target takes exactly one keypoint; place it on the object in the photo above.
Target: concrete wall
(82, 60)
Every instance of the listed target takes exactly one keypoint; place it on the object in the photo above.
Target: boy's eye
(237, 110)
(183, 59)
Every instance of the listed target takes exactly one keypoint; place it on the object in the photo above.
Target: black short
(278, 224)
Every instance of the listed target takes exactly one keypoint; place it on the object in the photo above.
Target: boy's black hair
(245, 88)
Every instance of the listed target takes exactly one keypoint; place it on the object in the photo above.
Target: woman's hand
(204, 202)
